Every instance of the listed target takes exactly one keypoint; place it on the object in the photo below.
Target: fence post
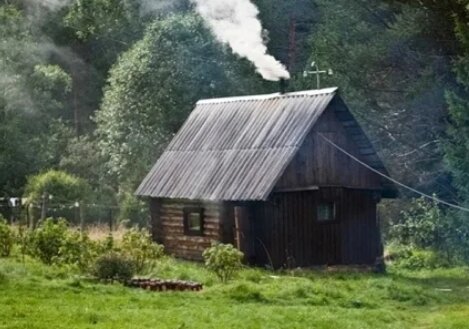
(45, 198)
(82, 218)
(110, 220)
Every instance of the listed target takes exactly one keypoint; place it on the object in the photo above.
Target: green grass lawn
(36, 296)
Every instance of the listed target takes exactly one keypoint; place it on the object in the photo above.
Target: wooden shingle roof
(237, 148)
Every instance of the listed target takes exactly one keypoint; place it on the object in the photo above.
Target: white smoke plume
(235, 22)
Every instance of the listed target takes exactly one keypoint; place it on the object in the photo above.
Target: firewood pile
(165, 285)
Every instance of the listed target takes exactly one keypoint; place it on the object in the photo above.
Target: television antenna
(316, 71)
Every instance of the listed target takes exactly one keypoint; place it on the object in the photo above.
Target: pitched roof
(237, 148)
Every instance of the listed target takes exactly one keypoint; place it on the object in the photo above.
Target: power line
(438, 200)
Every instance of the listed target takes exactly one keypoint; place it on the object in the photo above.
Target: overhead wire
(407, 187)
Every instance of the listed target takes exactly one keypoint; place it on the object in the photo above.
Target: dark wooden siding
(317, 163)
(287, 233)
(168, 227)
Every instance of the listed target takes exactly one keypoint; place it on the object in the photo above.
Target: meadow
(33, 295)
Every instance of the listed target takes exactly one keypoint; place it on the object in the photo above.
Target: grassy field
(36, 296)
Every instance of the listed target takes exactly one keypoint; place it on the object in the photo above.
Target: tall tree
(393, 74)
(154, 86)
(32, 103)
(457, 146)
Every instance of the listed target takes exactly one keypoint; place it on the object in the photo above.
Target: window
(326, 211)
(193, 221)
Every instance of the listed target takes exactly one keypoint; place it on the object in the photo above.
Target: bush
(45, 242)
(138, 246)
(223, 259)
(63, 188)
(78, 250)
(420, 225)
(413, 258)
(425, 226)
(114, 266)
(7, 238)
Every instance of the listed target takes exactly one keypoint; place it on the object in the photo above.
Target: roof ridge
(312, 92)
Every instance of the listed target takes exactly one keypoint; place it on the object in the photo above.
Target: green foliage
(32, 96)
(46, 241)
(77, 250)
(107, 244)
(3, 278)
(92, 18)
(133, 210)
(412, 258)
(51, 84)
(223, 260)
(457, 141)
(139, 247)
(53, 242)
(153, 87)
(245, 293)
(114, 266)
(7, 238)
(425, 226)
(63, 187)
(316, 299)
(392, 72)
(421, 225)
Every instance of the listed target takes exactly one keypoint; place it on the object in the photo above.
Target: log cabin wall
(317, 163)
(287, 232)
(168, 227)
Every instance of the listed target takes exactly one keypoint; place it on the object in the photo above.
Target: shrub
(77, 249)
(106, 245)
(45, 242)
(113, 266)
(223, 259)
(420, 225)
(412, 258)
(425, 226)
(420, 259)
(64, 187)
(138, 246)
(7, 238)
(61, 186)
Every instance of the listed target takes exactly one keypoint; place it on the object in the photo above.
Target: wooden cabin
(272, 175)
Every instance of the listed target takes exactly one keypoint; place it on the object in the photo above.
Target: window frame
(334, 211)
(187, 211)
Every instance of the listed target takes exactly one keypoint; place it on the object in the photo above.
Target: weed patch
(245, 293)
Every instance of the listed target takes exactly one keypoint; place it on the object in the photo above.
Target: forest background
(97, 88)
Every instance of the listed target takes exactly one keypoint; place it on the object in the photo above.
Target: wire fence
(84, 214)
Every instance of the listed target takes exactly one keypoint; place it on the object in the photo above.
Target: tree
(393, 73)
(288, 26)
(32, 98)
(154, 86)
(63, 187)
(457, 145)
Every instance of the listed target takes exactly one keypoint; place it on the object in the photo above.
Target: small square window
(326, 211)
(193, 221)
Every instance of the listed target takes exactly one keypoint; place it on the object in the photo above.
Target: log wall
(168, 227)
